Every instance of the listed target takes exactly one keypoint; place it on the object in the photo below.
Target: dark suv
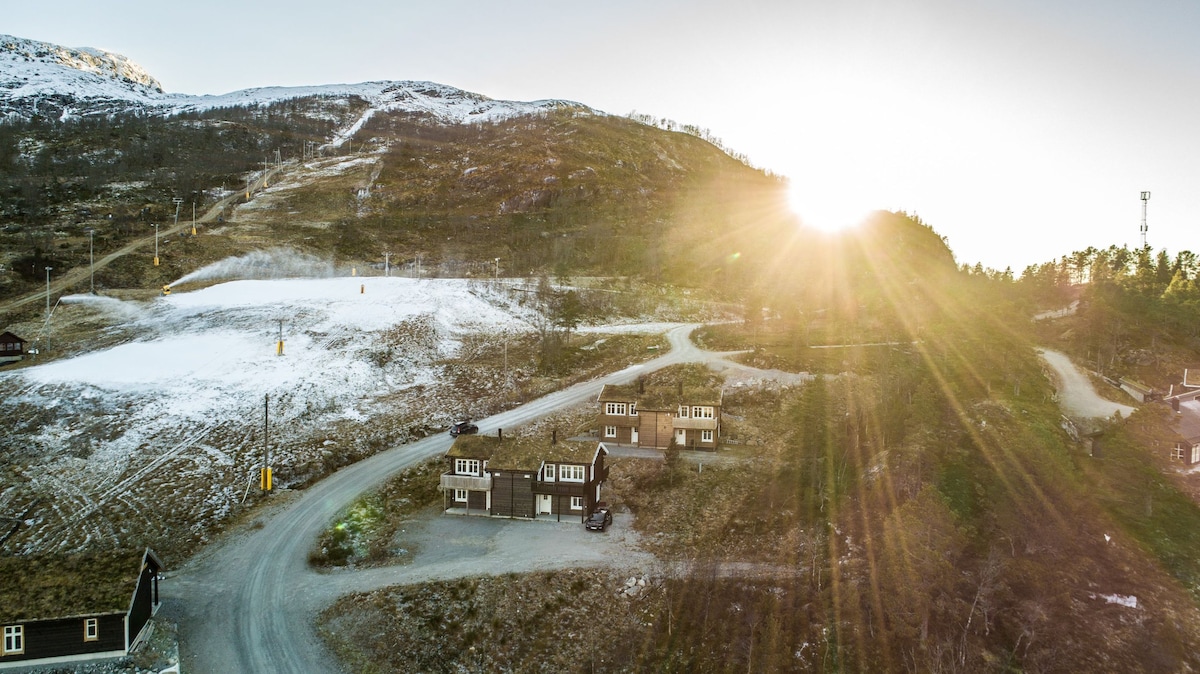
(599, 520)
(463, 428)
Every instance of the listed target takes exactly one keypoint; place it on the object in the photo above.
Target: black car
(463, 428)
(599, 520)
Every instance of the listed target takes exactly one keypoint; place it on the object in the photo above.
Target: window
(548, 473)
(702, 412)
(460, 495)
(683, 412)
(570, 473)
(705, 436)
(14, 639)
(614, 409)
(633, 409)
(1177, 453)
(1196, 454)
(91, 629)
(466, 466)
(610, 431)
(576, 503)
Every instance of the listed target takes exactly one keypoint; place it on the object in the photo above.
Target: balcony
(468, 482)
(695, 424)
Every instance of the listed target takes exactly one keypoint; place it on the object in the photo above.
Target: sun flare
(828, 211)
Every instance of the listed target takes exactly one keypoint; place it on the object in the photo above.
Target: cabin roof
(45, 587)
(530, 453)
(10, 337)
(660, 397)
(1188, 420)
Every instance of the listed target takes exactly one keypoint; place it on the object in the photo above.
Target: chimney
(1175, 404)
(554, 437)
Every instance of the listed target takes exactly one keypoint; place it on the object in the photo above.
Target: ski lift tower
(1145, 199)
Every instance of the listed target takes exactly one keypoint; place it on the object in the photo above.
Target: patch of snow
(1123, 600)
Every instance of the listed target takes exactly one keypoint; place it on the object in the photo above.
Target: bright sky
(1020, 129)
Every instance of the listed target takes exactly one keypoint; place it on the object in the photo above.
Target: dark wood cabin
(524, 477)
(63, 609)
(654, 417)
(12, 348)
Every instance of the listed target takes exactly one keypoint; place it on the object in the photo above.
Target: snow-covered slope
(60, 82)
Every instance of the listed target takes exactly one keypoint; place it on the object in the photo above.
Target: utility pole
(156, 244)
(264, 478)
(178, 202)
(1145, 199)
(92, 258)
(387, 268)
(48, 292)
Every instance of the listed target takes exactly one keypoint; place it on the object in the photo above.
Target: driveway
(1076, 395)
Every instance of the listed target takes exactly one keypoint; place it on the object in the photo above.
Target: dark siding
(56, 638)
(477, 500)
(512, 494)
(143, 599)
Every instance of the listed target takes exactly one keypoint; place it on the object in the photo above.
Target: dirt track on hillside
(1076, 395)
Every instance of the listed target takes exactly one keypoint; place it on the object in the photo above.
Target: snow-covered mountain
(39, 78)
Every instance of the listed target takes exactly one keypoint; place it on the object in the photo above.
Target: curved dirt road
(1076, 395)
(249, 603)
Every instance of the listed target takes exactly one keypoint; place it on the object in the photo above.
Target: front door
(680, 436)
(633, 440)
(545, 504)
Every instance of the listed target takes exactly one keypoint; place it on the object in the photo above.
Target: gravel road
(248, 603)
(1076, 395)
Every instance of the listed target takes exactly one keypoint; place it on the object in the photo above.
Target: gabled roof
(10, 337)
(473, 447)
(65, 586)
(660, 397)
(530, 453)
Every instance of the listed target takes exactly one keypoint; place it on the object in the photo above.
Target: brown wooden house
(524, 477)
(77, 608)
(12, 348)
(654, 417)
(1185, 404)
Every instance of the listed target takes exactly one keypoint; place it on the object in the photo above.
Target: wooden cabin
(64, 609)
(524, 477)
(12, 348)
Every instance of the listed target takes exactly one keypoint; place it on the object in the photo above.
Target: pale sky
(1019, 129)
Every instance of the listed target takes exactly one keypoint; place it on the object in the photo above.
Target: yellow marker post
(155, 260)
(264, 478)
(354, 271)
(193, 230)
(362, 289)
(279, 348)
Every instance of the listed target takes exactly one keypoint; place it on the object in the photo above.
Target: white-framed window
(91, 629)
(460, 495)
(633, 409)
(14, 639)
(548, 472)
(466, 466)
(610, 431)
(702, 412)
(1177, 452)
(706, 436)
(682, 412)
(1196, 454)
(576, 503)
(614, 409)
(570, 473)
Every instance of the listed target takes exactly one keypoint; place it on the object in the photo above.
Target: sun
(827, 209)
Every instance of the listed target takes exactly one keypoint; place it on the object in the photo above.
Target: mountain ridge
(49, 80)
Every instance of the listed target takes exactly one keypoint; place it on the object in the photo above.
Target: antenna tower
(1145, 199)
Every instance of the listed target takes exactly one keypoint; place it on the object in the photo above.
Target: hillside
(448, 176)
